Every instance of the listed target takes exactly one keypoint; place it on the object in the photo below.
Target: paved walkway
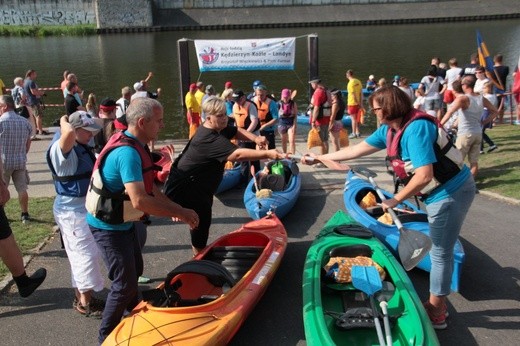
(485, 309)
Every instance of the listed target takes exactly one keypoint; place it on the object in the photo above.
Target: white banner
(249, 54)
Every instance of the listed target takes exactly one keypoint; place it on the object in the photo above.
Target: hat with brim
(315, 80)
(238, 94)
(81, 119)
(260, 87)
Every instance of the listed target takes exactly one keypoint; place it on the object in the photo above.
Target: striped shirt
(15, 131)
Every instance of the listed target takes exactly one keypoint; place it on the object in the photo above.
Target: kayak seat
(273, 182)
(238, 260)
(377, 211)
(216, 274)
(351, 251)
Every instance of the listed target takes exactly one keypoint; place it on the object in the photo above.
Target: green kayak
(339, 314)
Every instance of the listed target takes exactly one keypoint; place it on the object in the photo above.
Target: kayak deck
(326, 302)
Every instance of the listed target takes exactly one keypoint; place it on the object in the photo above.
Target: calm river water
(106, 63)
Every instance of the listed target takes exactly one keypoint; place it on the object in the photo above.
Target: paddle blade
(366, 279)
(412, 248)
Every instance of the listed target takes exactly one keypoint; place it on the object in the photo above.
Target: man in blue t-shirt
(122, 168)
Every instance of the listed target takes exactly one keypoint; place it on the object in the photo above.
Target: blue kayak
(284, 191)
(230, 179)
(356, 188)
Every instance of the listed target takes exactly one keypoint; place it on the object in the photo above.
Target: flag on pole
(486, 61)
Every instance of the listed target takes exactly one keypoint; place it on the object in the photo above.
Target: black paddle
(413, 245)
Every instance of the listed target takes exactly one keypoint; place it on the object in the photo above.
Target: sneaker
(43, 132)
(482, 152)
(318, 165)
(358, 135)
(34, 282)
(352, 135)
(34, 138)
(492, 148)
(439, 321)
(25, 218)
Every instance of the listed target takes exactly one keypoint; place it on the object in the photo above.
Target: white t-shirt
(479, 85)
(452, 75)
(431, 86)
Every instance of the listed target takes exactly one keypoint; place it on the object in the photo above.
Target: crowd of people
(103, 169)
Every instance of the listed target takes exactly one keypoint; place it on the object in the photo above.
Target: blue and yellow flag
(487, 61)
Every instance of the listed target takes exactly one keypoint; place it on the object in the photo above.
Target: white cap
(138, 86)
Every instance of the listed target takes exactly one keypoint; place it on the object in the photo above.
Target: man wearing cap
(71, 161)
(320, 113)
(354, 102)
(228, 85)
(253, 94)
(107, 113)
(210, 91)
(192, 109)
(267, 111)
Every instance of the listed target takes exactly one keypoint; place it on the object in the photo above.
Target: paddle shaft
(379, 330)
(386, 321)
(389, 210)
(254, 177)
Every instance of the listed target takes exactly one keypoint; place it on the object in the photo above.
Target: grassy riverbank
(499, 171)
(47, 30)
(39, 228)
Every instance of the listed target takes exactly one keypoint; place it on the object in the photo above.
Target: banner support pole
(184, 68)
(312, 49)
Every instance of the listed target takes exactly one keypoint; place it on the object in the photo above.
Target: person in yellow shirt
(199, 94)
(3, 91)
(192, 109)
(354, 102)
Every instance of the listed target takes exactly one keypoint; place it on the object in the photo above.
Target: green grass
(499, 171)
(39, 228)
(47, 30)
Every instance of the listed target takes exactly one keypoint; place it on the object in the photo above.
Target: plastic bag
(343, 138)
(361, 115)
(314, 140)
(277, 168)
(193, 130)
(340, 268)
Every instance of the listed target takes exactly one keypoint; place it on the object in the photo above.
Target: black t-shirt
(206, 156)
(468, 69)
(502, 72)
(71, 104)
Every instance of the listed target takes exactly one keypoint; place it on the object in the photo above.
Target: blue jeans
(446, 218)
(122, 256)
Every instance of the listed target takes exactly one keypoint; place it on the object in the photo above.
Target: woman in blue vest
(445, 184)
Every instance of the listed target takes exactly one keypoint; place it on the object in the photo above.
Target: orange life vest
(264, 115)
(241, 114)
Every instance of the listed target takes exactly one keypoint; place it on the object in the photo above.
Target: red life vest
(116, 207)
(449, 158)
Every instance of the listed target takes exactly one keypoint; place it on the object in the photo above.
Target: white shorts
(82, 250)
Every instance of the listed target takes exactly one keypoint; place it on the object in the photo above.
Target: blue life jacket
(75, 185)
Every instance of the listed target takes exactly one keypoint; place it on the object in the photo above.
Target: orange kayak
(206, 300)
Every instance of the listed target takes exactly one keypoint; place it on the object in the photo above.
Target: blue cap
(396, 77)
(256, 83)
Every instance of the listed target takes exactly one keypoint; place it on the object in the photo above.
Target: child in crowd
(91, 106)
(371, 83)
(419, 100)
(486, 120)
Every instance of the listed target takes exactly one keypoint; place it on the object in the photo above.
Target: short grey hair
(7, 100)
(142, 107)
(213, 106)
(17, 80)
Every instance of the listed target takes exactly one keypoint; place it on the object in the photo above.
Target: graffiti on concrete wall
(15, 17)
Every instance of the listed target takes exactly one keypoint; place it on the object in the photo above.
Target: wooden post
(312, 48)
(184, 68)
